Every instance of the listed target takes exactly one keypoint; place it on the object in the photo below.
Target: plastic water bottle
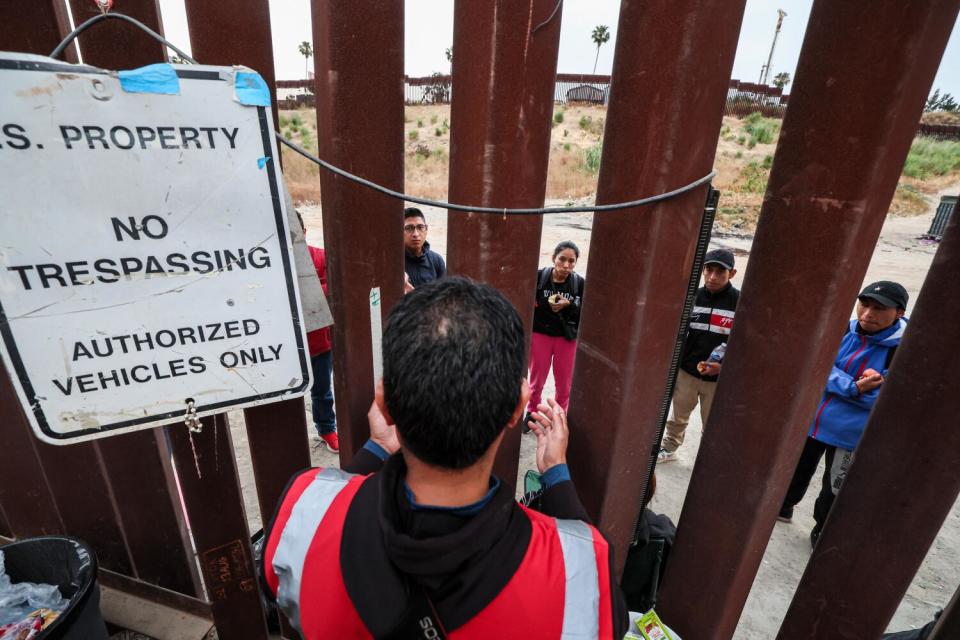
(717, 354)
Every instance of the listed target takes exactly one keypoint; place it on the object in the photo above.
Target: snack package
(651, 628)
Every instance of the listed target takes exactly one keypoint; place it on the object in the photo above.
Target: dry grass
(941, 117)
(742, 161)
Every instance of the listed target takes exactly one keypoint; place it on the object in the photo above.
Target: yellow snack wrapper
(651, 628)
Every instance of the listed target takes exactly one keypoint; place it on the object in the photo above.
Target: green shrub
(566, 146)
(296, 120)
(738, 155)
(419, 123)
(438, 132)
(413, 135)
(767, 162)
(929, 156)
(585, 122)
(761, 130)
(742, 140)
(284, 121)
(433, 119)
(558, 116)
(753, 178)
(591, 160)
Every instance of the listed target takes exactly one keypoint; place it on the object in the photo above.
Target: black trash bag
(258, 541)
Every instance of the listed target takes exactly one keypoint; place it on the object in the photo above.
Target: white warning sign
(145, 257)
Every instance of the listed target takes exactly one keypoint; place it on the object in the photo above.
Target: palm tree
(781, 80)
(600, 35)
(306, 50)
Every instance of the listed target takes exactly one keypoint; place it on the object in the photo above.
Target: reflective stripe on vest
(581, 609)
(297, 535)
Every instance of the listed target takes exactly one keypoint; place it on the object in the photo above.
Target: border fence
(166, 516)
(743, 98)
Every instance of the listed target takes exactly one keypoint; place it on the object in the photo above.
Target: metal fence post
(869, 66)
(207, 477)
(948, 626)
(499, 146)
(359, 69)
(35, 27)
(120, 45)
(670, 74)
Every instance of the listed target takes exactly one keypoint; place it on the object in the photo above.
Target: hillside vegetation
(743, 162)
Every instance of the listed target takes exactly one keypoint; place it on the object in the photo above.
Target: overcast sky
(429, 31)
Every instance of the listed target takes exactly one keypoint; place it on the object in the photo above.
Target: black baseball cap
(887, 293)
(723, 257)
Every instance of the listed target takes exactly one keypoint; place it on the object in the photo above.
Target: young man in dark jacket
(421, 263)
(430, 542)
(853, 387)
(710, 323)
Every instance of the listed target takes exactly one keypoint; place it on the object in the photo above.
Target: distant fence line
(940, 131)
(743, 98)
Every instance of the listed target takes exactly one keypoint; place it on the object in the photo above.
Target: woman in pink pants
(556, 319)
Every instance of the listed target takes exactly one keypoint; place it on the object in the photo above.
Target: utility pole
(765, 70)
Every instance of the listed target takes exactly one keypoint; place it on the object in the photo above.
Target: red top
(319, 341)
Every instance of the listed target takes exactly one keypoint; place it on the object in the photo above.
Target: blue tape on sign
(153, 78)
(262, 162)
(252, 90)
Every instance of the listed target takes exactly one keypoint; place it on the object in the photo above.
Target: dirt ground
(900, 256)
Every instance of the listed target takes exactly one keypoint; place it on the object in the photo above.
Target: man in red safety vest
(415, 538)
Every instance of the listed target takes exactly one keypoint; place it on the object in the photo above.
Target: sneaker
(525, 424)
(666, 456)
(814, 536)
(786, 514)
(332, 440)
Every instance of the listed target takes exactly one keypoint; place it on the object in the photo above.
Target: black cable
(384, 190)
(119, 16)
(493, 210)
(548, 20)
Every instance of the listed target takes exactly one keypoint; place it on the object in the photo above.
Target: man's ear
(733, 272)
(381, 403)
(900, 313)
(522, 405)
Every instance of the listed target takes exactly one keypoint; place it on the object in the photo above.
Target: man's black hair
(453, 362)
(413, 212)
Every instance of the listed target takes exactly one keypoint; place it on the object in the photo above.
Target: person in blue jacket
(852, 389)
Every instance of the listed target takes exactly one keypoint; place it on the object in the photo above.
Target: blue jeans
(324, 418)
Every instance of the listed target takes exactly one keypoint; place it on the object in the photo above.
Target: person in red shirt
(321, 359)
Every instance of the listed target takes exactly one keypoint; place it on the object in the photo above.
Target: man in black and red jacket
(710, 323)
(430, 542)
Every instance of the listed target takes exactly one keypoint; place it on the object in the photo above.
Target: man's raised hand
(550, 425)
